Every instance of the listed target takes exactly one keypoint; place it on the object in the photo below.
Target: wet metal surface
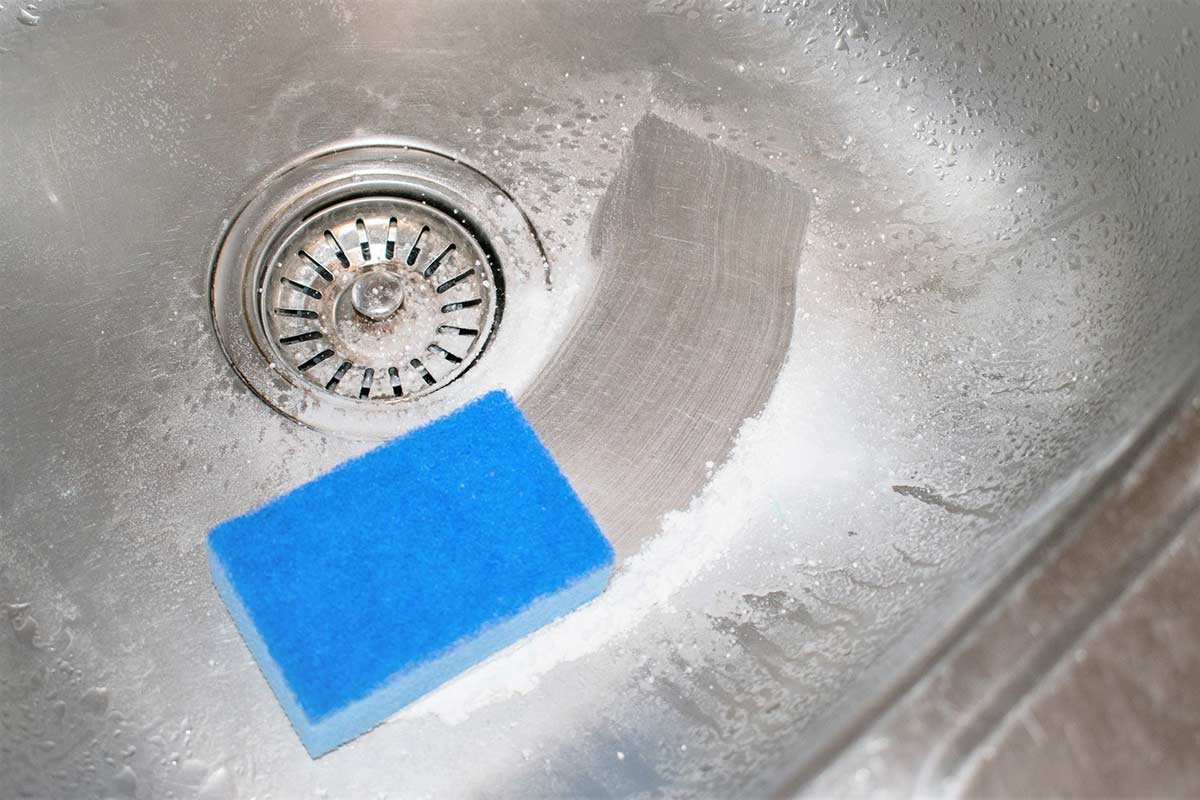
(1074, 678)
(685, 332)
(903, 273)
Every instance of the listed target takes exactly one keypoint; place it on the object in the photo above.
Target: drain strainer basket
(362, 282)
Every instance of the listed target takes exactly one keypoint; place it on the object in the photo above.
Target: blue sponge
(361, 591)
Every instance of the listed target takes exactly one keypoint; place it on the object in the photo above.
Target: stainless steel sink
(849, 310)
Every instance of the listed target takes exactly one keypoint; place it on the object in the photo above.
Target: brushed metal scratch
(689, 324)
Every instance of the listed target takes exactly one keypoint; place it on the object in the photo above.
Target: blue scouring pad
(373, 584)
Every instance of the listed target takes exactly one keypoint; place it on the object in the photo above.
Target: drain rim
(321, 179)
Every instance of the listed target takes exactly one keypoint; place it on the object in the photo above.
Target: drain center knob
(377, 295)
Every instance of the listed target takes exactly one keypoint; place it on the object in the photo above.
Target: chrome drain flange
(360, 280)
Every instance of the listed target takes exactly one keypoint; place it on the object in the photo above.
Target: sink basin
(842, 304)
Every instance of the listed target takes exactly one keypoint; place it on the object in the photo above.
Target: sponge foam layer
(373, 584)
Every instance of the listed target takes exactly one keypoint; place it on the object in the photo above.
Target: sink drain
(380, 299)
(360, 281)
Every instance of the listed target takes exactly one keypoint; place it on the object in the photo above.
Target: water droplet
(24, 626)
(95, 700)
(219, 786)
(1093, 103)
(26, 16)
(125, 782)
